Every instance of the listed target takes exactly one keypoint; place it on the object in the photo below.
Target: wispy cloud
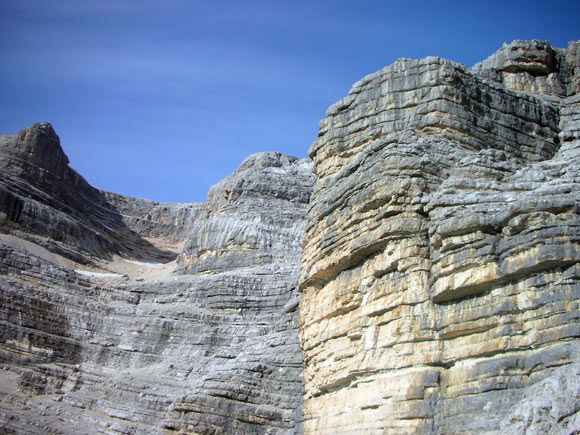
(92, 49)
(234, 76)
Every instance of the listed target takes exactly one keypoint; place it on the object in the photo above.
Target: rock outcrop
(438, 280)
(440, 275)
(44, 200)
(122, 315)
(252, 216)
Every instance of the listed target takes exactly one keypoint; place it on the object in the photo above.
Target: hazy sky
(162, 99)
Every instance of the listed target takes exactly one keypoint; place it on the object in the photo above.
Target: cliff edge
(441, 263)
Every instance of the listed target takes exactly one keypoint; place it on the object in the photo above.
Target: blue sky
(162, 99)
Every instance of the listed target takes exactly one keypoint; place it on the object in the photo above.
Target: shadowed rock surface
(106, 330)
(440, 271)
(45, 201)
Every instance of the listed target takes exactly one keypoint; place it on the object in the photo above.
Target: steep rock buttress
(440, 275)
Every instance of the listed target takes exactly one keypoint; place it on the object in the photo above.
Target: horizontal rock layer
(440, 275)
(44, 200)
(207, 343)
(440, 271)
(255, 216)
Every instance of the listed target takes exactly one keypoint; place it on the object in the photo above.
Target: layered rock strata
(252, 217)
(440, 275)
(439, 281)
(44, 200)
(113, 318)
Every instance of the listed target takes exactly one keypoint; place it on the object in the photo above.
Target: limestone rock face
(535, 67)
(434, 256)
(440, 270)
(253, 217)
(245, 251)
(127, 316)
(44, 200)
(39, 146)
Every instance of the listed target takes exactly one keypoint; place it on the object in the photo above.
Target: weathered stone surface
(255, 216)
(129, 341)
(440, 281)
(534, 67)
(440, 271)
(165, 225)
(44, 200)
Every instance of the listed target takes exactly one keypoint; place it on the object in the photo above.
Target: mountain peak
(39, 145)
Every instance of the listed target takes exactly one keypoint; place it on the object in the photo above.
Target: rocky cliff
(434, 255)
(45, 201)
(440, 275)
(122, 315)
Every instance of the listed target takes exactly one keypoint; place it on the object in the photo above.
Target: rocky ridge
(113, 322)
(440, 271)
(44, 200)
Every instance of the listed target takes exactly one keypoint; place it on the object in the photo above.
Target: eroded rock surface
(440, 271)
(123, 316)
(440, 275)
(253, 217)
(44, 200)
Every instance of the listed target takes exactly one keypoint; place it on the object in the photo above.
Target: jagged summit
(43, 199)
(32, 149)
(534, 67)
(535, 57)
(269, 159)
(39, 145)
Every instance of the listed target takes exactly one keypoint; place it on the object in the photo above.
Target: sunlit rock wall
(440, 275)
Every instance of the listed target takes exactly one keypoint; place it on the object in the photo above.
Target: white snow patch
(141, 263)
(96, 274)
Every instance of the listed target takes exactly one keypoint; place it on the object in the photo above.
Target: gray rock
(212, 348)
(253, 217)
(439, 276)
(44, 200)
(534, 67)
